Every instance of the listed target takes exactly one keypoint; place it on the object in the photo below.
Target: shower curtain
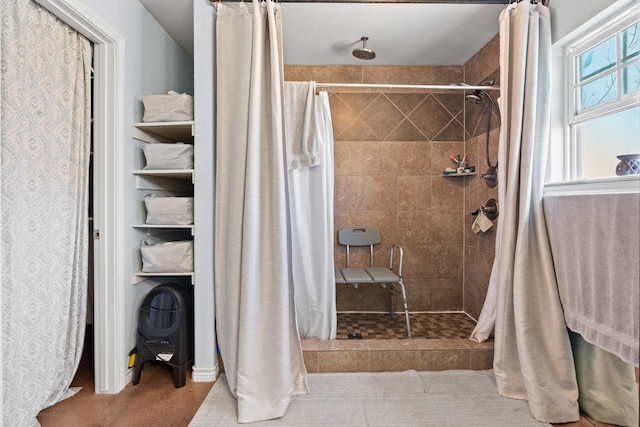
(46, 105)
(532, 356)
(308, 124)
(255, 313)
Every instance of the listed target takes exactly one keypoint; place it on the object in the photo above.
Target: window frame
(613, 26)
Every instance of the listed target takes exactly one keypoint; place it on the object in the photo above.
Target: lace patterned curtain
(45, 147)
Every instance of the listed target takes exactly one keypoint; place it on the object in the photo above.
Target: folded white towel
(595, 256)
(299, 124)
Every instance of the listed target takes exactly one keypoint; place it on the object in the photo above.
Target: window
(603, 72)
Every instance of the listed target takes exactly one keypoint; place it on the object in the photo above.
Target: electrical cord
(160, 359)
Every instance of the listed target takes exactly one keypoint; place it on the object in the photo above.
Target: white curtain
(311, 210)
(46, 100)
(532, 356)
(255, 314)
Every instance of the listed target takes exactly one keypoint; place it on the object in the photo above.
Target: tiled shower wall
(390, 149)
(479, 248)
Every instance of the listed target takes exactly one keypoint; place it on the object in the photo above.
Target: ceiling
(426, 33)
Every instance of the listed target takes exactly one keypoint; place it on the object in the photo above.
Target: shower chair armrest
(400, 258)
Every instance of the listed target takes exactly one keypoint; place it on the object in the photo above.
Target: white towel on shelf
(299, 124)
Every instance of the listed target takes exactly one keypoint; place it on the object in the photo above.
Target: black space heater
(165, 330)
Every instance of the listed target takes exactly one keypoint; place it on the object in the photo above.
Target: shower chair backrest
(363, 236)
(359, 237)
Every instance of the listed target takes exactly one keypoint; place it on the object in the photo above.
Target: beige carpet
(410, 398)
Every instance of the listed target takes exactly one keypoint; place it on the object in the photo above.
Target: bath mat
(410, 398)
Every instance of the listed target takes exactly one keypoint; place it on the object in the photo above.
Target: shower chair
(365, 236)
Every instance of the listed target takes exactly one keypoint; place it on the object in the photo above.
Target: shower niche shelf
(167, 182)
(455, 175)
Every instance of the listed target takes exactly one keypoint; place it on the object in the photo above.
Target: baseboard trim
(205, 374)
(128, 377)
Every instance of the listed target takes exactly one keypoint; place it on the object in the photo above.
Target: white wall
(567, 15)
(154, 63)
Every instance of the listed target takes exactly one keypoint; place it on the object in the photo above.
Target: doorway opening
(110, 364)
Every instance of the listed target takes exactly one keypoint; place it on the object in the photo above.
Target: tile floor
(423, 325)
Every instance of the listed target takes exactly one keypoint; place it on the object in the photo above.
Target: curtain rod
(544, 2)
(394, 86)
(388, 1)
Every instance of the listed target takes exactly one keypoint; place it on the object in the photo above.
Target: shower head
(475, 97)
(364, 52)
(481, 96)
(478, 95)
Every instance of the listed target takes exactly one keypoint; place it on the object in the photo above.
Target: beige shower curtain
(532, 357)
(255, 315)
(46, 130)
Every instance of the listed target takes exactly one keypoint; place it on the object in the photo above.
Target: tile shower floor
(378, 344)
(423, 325)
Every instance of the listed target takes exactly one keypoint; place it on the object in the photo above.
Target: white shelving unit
(163, 131)
(171, 173)
(171, 180)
